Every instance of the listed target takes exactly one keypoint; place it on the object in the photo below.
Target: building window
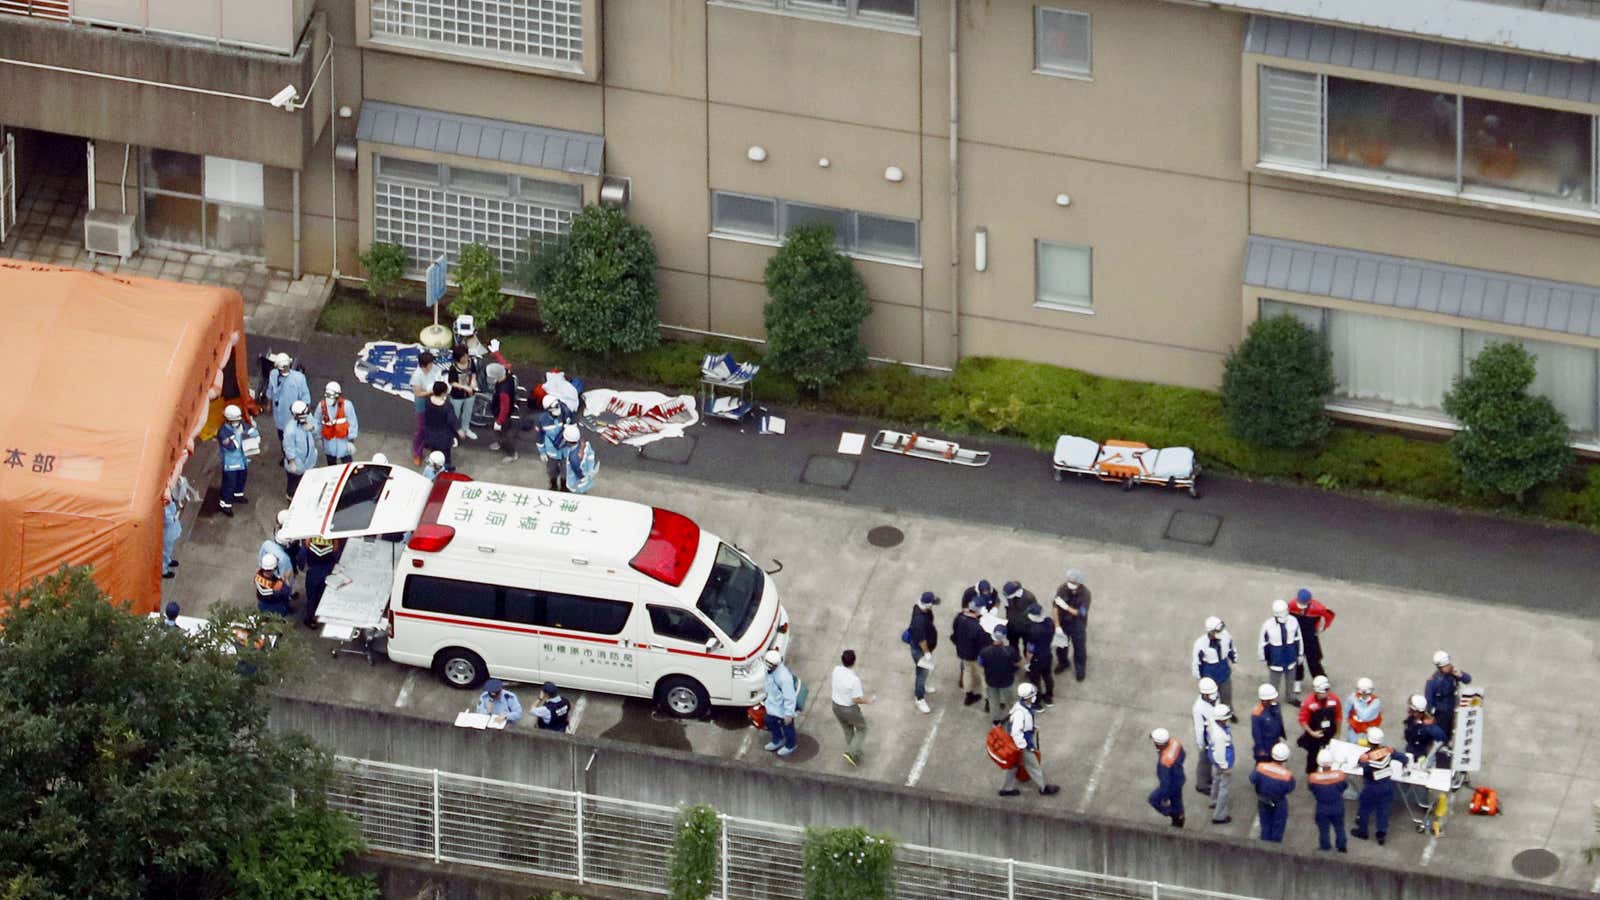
(1482, 149)
(204, 202)
(432, 210)
(858, 234)
(1398, 365)
(1061, 42)
(893, 12)
(1064, 277)
(543, 32)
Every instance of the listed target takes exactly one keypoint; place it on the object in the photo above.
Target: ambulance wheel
(1194, 490)
(683, 697)
(1059, 476)
(460, 668)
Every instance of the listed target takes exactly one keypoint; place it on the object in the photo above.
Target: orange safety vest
(337, 427)
(1485, 802)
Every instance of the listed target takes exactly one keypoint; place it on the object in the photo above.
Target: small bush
(1275, 384)
(848, 864)
(696, 854)
(1510, 441)
(386, 272)
(478, 278)
(818, 302)
(597, 284)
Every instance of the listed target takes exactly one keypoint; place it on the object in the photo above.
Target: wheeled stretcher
(1128, 463)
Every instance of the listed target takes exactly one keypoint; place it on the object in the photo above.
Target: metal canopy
(492, 139)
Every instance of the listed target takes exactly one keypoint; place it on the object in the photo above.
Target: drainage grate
(885, 536)
(669, 450)
(829, 471)
(1535, 863)
(1193, 528)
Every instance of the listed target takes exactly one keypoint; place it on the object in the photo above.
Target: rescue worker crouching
(1422, 732)
(580, 465)
(272, 592)
(497, 701)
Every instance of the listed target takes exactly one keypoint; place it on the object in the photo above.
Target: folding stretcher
(923, 447)
(1127, 462)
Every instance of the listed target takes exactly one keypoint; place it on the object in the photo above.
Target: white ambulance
(530, 585)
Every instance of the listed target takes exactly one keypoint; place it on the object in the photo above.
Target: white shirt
(846, 687)
(423, 378)
(1202, 720)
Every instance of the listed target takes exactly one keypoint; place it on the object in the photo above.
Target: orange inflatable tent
(110, 383)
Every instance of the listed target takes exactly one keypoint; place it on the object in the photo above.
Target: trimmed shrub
(386, 272)
(818, 302)
(478, 277)
(1275, 384)
(696, 853)
(1510, 441)
(848, 864)
(597, 284)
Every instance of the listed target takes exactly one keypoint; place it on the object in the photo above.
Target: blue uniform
(581, 468)
(283, 390)
(299, 451)
(1273, 783)
(1266, 729)
(1167, 798)
(782, 700)
(333, 416)
(506, 705)
(171, 530)
(1327, 788)
(235, 464)
(1441, 693)
(1377, 789)
(284, 556)
(553, 714)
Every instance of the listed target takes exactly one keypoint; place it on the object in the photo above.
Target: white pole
(580, 838)
(1011, 879)
(436, 855)
(724, 819)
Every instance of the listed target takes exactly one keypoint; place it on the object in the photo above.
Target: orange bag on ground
(1485, 802)
(758, 716)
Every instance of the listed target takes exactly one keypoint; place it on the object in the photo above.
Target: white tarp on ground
(637, 418)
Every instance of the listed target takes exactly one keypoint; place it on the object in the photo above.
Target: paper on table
(851, 443)
(497, 722)
(479, 721)
(773, 425)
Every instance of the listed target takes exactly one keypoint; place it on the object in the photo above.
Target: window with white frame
(1434, 141)
(893, 12)
(866, 235)
(1397, 365)
(539, 32)
(1064, 276)
(432, 209)
(204, 202)
(1061, 42)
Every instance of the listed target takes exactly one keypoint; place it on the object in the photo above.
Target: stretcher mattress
(1076, 452)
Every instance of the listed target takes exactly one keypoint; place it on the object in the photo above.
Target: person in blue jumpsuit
(581, 461)
(171, 530)
(553, 449)
(1266, 723)
(299, 448)
(1377, 788)
(337, 422)
(1327, 786)
(497, 701)
(285, 385)
(1422, 733)
(1273, 782)
(231, 437)
(780, 705)
(1443, 692)
(1167, 798)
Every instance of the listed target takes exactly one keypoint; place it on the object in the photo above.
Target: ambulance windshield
(359, 499)
(732, 594)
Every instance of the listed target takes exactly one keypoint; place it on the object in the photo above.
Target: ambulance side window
(679, 624)
(524, 606)
(590, 614)
(445, 595)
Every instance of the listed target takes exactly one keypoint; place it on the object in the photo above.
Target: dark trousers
(233, 485)
(337, 460)
(1274, 817)
(508, 441)
(782, 734)
(1016, 634)
(1330, 822)
(555, 468)
(316, 583)
(1077, 652)
(1313, 650)
(1375, 799)
(1042, 679)
(1167, 806)
(292, 483)
(1312, 747)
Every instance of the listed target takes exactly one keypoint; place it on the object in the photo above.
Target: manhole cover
(1535, 863)
(1193, 528)
(829, 471)
(669, 450)
(885, 536)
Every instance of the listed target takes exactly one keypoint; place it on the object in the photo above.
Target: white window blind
(1061, 41)
(1291, 117)
(234, 181)
(1065, 275)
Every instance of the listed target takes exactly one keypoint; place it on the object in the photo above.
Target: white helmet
(378, 459)
(1280, 752)
(1363, 685)
(1026, 691)
(1320, 683)
(1267, 692)
(1208, 686)
(772, 658)
(1374, 736)
(570, 434)
(232, 412)
(1441, 658)
(269, 562)
(1213, 624)
(282, 537)
(550, 401)
(283, 517)
(282, 360)
(1419, 703)
(1160, 736)
(1280, 608)
(1221, 712)
(1325, 758)
(333, 389)
(436, 459)
(299, 408)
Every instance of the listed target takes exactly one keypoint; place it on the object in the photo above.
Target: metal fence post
(436, 856)
(580, 836)
(1011, 879)
(1155, 890)
(724, 819)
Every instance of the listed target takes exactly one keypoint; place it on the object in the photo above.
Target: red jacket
(1321, 616)
(1315, 704)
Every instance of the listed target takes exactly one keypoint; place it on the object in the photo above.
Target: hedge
(1036, 402)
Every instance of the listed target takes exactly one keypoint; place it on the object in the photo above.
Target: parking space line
(1596, 888)
(577, 715)
(1105, 754)
(927, 748)
(744, 745)
(1433, 841)
(404, 696)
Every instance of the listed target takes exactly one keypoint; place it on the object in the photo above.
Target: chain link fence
(428, 814)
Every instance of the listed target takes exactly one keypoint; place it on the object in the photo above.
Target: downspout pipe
(955, 191)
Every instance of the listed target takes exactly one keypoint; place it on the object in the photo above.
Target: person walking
(336, 418)
(983, 591)
(440, 427)
(1280, 650)
(1319, 717)
(1214, 657)
(299, 448)
(923, 637)
(1025, 734)
(553, 449)
(581, 464)
(552, 712)
(1041, 638)
(1327, 786)
(1204, 707)
(285, 385)
(1167, 798)
(427, 374)
(1377, 785)
(1274, 783)
(999, 664)
(1219, 751)
(1072, 609)
(1363, 710)
(171, 530)
(462, 376)
(1443, 692)
(1018, 599)
(498, 700)
(321, 554)
(272, 592)
(969, 639)
(1313, 619)
(783, 695)
(1266, 723)
(502, 402)
(848, 698)
(232, 437)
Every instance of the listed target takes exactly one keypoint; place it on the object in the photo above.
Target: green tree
(1510, 441)
(818, 302)
(478, 286)
(1275, 384)
(696, 851)
(597, 284)
(386, 272)
(137, 761)
(848, 864)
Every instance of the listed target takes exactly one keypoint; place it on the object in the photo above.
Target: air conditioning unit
(105, 231)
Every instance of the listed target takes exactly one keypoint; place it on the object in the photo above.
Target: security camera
(284, 98)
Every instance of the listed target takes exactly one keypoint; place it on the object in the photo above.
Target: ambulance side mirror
(712, 644)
